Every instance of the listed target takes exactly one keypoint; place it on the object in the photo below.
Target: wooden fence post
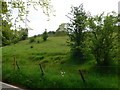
(14, 62)
(41, 69)
(81, 73)
(17, 65)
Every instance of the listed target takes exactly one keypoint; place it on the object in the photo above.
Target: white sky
(39, 21)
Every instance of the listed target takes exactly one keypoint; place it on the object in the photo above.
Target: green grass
(54, 57)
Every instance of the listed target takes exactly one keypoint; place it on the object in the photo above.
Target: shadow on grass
(78, 60)
(111, 70)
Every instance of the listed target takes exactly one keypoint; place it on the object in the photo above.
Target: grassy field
(60, 71)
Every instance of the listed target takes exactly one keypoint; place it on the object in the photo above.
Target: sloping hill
(25, 51)
(59, 70)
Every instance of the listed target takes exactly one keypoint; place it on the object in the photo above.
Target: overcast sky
(62, 7)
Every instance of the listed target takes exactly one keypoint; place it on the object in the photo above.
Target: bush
(103, 38)
(32, 39)
(35, 36)
(38, 41)
(23, 34)
(45, 35)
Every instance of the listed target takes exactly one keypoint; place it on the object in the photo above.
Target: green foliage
(7, 9)
(31, 46)
(76, 32)
(12, 36)
(23, 34)
(38, 41)
(6, 33)
(53, 79)
(32, 39)
(51, 33)
(53, 55)
(45, 35)
(103, 37)
(4, 7)
(9, 36)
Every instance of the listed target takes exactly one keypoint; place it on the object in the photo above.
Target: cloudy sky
(39, 22)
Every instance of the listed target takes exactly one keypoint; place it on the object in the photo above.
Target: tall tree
(5, 31)
(76, 31)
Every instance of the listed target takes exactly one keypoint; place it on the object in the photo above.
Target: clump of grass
(44, 61)
(31, 46)
(38, 41)
(63, 62)
(36, 58)
(58, 58)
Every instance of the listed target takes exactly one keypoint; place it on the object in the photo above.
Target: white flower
(62, 73)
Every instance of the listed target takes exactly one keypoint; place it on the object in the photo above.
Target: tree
(23, 34)
(6, 33)
(62, 30)
(45, 35)
(5, 25)
(76, 31)
(51, 33)
(104, 33)
(16, 36)
(7, 8)
(22, 7)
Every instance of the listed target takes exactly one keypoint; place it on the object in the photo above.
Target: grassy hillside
(60, 70)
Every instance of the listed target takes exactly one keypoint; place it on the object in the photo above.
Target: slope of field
(59, 70)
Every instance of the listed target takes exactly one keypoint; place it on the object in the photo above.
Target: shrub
(103, 37)
(38, 41)
(32, 39)
(45, 35)
(31, 46)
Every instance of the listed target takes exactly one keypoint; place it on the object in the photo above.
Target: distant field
(60, 70)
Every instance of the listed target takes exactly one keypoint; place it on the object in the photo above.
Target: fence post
(81, 73)
(41, 69)
(17, 65)
(14, 62)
